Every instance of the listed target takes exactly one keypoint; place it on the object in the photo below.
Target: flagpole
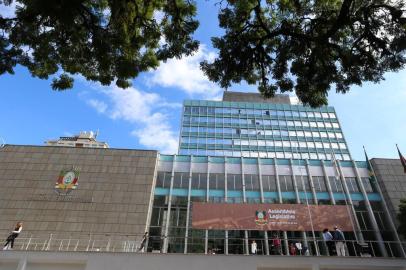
(353, 217)
(385, 206)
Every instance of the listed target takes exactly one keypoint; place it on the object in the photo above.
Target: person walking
(292, 249)
(143, 241)
(14, 234)
(276, 244)
(328, 239)
(253, 247)
(339, 238)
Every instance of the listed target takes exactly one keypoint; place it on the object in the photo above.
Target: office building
(261, 128)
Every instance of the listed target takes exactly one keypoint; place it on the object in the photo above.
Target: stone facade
(112, 197)
(392, 181)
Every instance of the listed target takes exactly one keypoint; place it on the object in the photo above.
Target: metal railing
(131, 243)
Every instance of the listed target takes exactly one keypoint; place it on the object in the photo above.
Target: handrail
(131, 243)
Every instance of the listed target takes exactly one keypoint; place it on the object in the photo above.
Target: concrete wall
(392, 180)
(112, 196)
(107, 261)
(254, 97)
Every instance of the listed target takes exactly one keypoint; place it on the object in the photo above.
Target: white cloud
(186, 75)
(99, 105)
(145, 110)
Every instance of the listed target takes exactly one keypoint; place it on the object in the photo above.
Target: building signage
(67, 181)
(285, 217)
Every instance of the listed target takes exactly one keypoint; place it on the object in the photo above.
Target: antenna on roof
(97, 134)
(2, 143)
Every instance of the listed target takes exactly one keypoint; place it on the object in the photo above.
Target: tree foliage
(103, 40)
(402, 217)
(308, 46)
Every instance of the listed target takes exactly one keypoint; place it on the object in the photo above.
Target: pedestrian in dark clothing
(143, 242)
(14, 234)
(328, 238)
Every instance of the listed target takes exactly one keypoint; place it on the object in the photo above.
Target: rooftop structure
(83, 139)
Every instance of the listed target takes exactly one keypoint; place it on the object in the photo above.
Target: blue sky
(147, 116)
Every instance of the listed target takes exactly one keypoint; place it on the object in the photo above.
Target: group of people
(337, 238)
(335, 243)
(276, 247)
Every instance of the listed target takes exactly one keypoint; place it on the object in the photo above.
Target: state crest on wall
(261, 218)
(67, 181)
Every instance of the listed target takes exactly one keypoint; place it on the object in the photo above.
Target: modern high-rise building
(246, 125)
(250, 173)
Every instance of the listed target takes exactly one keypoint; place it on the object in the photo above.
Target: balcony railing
(131, 243)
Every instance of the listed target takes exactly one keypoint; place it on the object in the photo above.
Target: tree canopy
(308, 46)
(103, 40)
(280, 45)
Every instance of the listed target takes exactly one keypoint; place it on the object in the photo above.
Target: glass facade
(183, 180)
(253, 152)
(263, 130)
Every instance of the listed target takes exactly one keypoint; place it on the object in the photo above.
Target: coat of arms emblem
(67, 181)
(260, 217)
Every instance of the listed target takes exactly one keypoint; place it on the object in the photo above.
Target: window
(319, 145)
(335, 125)
(315, 134)
(342, 146)
(310, 144)
(331, 135)
(286, 183)
(313, 156)
(328, 125)
(292, 133)
(320, 124)
(251, 182)
(325, 115)
(302, 144)
(334, 145)
(326, 145)
(181, 180)
(188, 109)
(234, 182)
(367, 184)
(278, 143)
(163, 179)
(302, 182)
(300, 133)
(310, 114)
(335, 184)
(216, 181)
(291, 123)
(298, 123)
(199, 180)
(319, 183)
(307, 134)
(313, 124)
(352, 184)
(317, 114)
(286, 143)
(305, 124)
(323, 134)
(332, 115)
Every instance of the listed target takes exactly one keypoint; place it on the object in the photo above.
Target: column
(168, 215)
(278, 186)
(244, 198)
(327, 180)
(315, 201)
(358, 235)
(188, 205)
(304, 236)
(225, 200)
(261, 189)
